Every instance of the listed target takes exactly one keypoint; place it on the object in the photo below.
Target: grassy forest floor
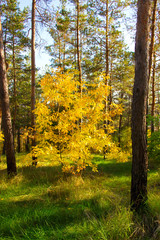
(42, 203)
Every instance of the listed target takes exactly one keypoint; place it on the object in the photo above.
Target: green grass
(43, 203)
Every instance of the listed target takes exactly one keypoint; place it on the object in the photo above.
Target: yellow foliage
(114, 152)
(123, 156)
(70, 124)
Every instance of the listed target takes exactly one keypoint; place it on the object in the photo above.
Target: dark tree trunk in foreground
(11, 162)
(139, 143)
(34, 162)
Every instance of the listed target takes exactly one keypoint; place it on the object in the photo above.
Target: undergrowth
(44, 203)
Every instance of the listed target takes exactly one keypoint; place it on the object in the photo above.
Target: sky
(43, 58)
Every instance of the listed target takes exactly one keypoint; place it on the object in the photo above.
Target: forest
(80, 126)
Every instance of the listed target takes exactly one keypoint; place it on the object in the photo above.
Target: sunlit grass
(44, 203)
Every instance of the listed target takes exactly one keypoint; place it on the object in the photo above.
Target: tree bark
(153, 94)
(27, 144)
(107, 47)
(140, 90)
(34, 162)
(78, 50)
(151, 48)
(119, 130)
(79, 57)
(110, 85)
(4, 96)
(59, 42)
(107, 68)
(120, 124)
(15, 90)
(106, 77)
(18, 141)
(64, 54)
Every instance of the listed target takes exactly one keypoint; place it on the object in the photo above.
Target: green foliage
(126, 143)
(16, 43)
(154, 145)
(155, 119)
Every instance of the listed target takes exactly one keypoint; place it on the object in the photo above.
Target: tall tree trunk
(59, 57)
(158, 92)
(4, 144)
(15, 90)
(18, 141)
(110, 85)
(4, 96)
(79, 57)
(151, 49)
(4, 42)
(119, 130)
(78, 50)
(153, 94)
(107, 46)
(64, 54)
(129, 111)
(27, 144)
(107, 66)
(120, 123)
(106, 77)
(34, 161)
(139, 144)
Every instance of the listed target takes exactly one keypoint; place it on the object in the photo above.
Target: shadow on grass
(36, 176)
(33, 214)
(53, 211)
(115, 169)
(52, 174)
(3, 172)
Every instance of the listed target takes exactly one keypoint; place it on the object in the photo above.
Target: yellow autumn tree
(69, 124)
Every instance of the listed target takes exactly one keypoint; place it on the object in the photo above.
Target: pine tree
(139, 144)
(16, 42)
(4, 96)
